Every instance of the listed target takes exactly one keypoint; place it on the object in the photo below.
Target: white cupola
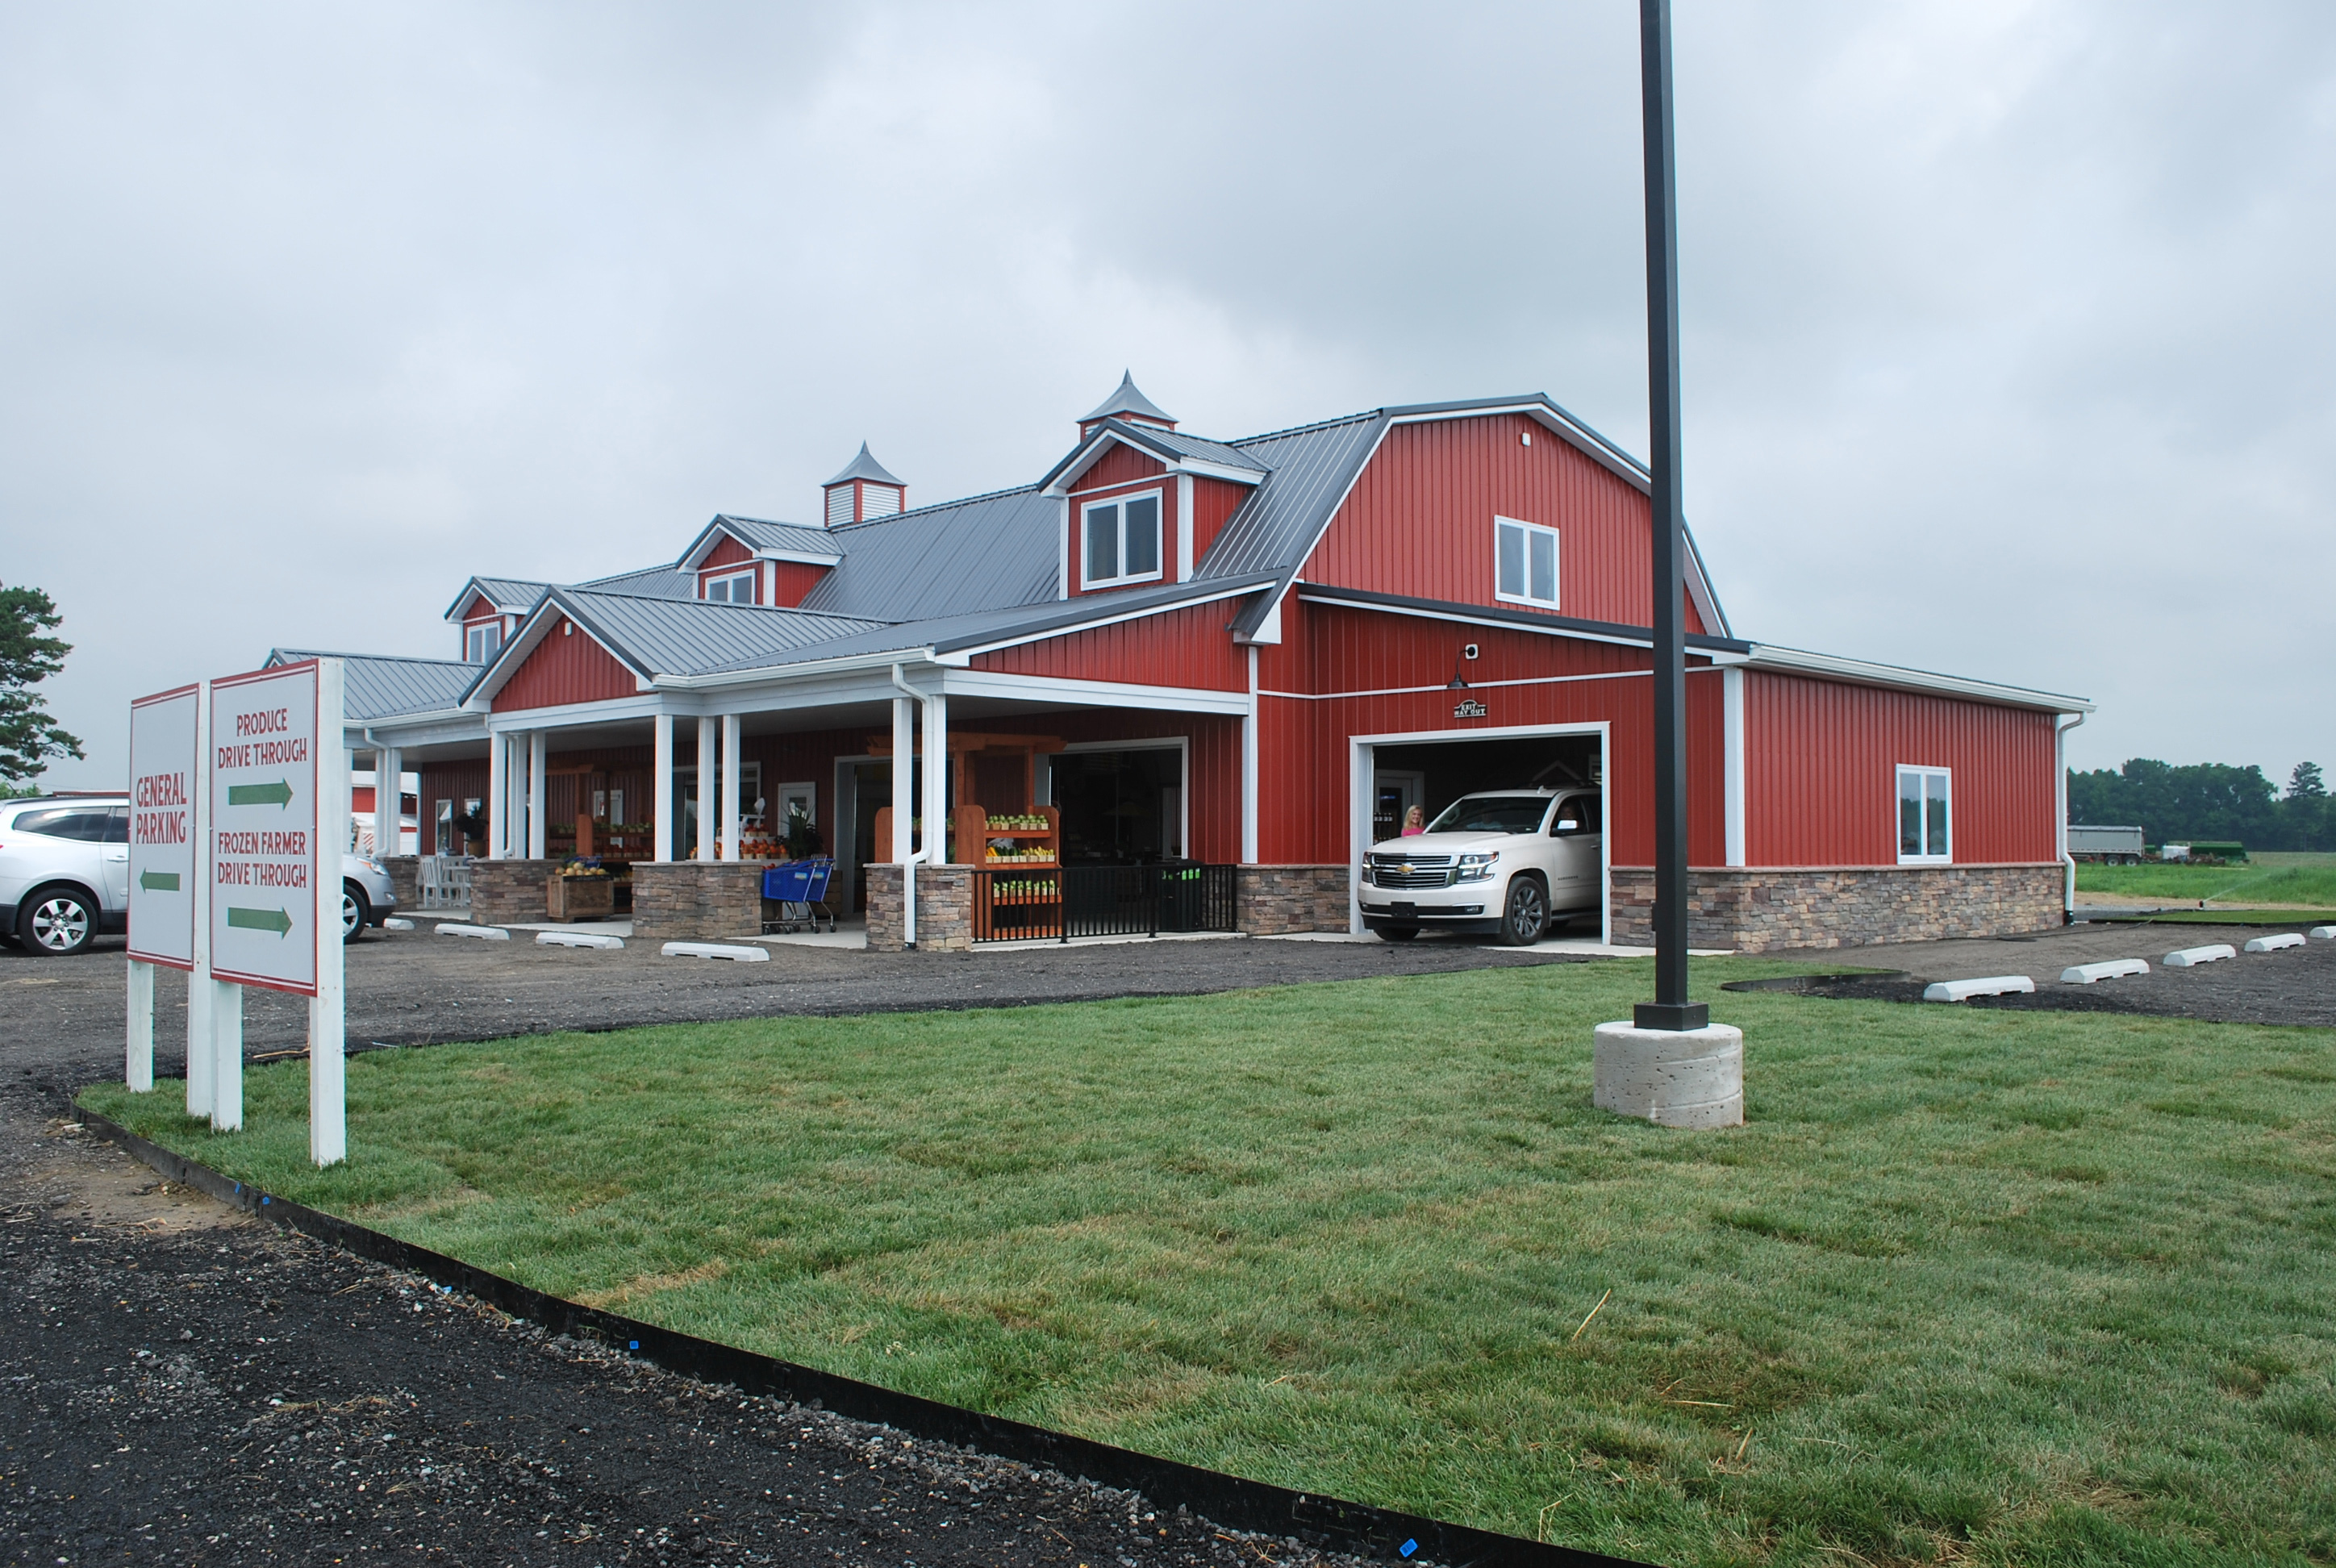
(863, 490)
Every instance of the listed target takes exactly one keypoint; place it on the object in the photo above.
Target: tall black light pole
(1670, 1009)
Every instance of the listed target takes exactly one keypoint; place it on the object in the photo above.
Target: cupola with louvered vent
(863, 490)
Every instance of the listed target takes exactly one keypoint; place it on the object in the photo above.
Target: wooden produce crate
(579, 898)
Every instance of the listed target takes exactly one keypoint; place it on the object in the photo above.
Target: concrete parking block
(2189, 958)
(2275, 944)
(2113, 968)
(736, 954)
(1993, 986)
(483, 934)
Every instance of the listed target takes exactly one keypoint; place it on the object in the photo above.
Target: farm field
(2301, 881)
(1973, 1284)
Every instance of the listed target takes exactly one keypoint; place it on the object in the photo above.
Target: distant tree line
(2208, 800)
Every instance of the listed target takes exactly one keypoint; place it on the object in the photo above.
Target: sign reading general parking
(164, 768)
(264, 856)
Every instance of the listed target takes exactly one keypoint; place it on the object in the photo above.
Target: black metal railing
(1056, 903)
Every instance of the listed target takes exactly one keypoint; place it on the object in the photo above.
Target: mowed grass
(1984, 1285)
(2301, 879)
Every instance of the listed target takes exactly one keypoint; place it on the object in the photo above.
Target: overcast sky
(2010, 335)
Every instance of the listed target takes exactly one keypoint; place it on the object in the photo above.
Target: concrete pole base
(1693, 1078)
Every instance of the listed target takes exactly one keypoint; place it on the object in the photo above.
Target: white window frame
(476, 647)
(1556, 563)
(746, 574)
(1947, 801)
(1159, 499)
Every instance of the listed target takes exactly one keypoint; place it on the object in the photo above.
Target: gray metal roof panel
(377, 686)
(985, 552)
(756, 533)
(649, 582)
(1127, 399)
(508, 593)
(1310, 469)
(865, 466)
(693, 636)
(946, 634)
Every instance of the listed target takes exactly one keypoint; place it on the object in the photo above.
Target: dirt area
(2297, 986)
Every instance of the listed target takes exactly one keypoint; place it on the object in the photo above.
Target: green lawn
(2011, 1287)
(2268, 879)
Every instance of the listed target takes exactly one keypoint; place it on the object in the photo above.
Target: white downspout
(904, 764)
(2061, 820)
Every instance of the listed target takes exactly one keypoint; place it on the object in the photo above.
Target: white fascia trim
(1093, 693)
(1063, 548)
(806, 557)
(775, 675)
(1203, 466)
(1860, 672)
(1318, 594)
(413, 729)
(615, 710)
(1183, 528)
(1186, 602)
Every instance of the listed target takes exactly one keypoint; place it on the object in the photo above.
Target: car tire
(56, 922)
(356, 912)
(1397, 934)
(1524, 914)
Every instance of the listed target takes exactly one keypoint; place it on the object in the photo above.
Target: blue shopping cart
(800, 890)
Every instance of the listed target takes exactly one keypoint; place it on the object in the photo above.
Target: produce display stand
(1000, 838)
(579, 898)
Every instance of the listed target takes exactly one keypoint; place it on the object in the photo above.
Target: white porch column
(539, 752)
(734, 823)
(1249, 768)
(904, 773)
(1731, 708)
(498, 794)
(706, 789)
(937, 800)
(388, 763)
(661, 825)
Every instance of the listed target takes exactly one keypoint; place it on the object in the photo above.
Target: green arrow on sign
(278, 793)
(159, 882)
(275, 920)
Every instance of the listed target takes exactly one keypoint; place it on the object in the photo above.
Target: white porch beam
(706, 732)
(733, 815)
(661, 827)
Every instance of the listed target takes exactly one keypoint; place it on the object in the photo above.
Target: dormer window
(1524, 563)
(1123, 541)
(480, 641)
(732, 587)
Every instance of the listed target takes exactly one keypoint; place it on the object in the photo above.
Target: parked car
(65, 874)
(1506, 861)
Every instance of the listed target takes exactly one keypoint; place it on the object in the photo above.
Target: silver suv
(1512, 862)
(65, 874)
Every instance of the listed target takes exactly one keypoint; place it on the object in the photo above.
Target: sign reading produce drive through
(264, 859)
(165, 772)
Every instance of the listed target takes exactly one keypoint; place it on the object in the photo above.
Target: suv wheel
(355, 912)
(55, 922)
(1526, 914)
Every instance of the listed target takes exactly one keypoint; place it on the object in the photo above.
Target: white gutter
(2060, 819)
(923, 852)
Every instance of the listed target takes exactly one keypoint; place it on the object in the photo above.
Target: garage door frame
(1362, 752)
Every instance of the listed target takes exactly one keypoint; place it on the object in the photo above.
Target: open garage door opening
(1434, 881)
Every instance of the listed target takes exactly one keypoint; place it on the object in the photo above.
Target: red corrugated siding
(456, 782)
(1182, 648)
(1821, 760)
(1420, 520)
(1120, 465)
(793, 580)
(1304, 746)
(565, 667)
(1215, 500)
(726, 551)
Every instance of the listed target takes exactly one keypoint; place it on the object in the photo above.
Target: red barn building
(1171, 650)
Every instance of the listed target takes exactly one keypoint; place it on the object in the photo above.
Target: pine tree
(29, 736)
(2304, 784)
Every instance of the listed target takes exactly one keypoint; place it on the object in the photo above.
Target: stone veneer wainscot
(1756, 909)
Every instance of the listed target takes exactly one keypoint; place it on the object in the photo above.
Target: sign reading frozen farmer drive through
(264, 851)
(165, 771)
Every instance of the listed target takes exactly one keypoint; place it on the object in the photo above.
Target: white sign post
(279, 804)
(166, 747)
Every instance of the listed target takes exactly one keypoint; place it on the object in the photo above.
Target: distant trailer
(2107, 845)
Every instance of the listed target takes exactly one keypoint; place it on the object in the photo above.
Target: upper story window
(1123, 541)
(737, 588)
(1925, 826)
(480, 641)
(1524, 556)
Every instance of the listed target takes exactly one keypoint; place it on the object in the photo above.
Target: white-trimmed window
(1524, 562)
(1122, 538)
(735, 588)
(1925, 823)
(480, 641)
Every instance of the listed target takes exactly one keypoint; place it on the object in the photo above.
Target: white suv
(65, 874)
(1504, 862)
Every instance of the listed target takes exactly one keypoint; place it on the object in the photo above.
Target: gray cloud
(2008, 335)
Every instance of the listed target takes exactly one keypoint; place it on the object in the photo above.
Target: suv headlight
(1477, 868)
